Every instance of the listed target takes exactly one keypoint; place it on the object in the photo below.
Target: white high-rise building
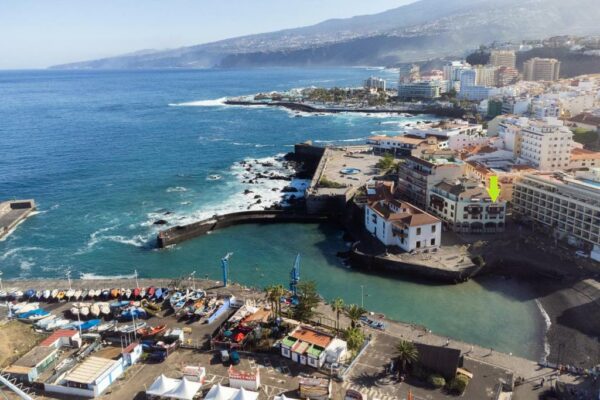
(546, 144)
(468, 78)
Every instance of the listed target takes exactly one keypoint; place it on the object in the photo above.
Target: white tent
(218, 392)
(185, 390)
(244, 394)
(162, 385)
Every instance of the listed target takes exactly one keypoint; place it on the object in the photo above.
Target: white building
(308, 346)
(403, 225)
(399, 145)
(503, 58)
(457, 133)
(541, 69)
(466, 207)
(546, 145)
(543, 107)
(375, 83)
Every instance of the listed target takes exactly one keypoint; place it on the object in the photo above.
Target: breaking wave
(201, 103)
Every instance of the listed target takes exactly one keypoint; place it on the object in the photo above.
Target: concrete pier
(12, 213)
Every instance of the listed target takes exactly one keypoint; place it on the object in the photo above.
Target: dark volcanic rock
(160, 222)
(289, 189)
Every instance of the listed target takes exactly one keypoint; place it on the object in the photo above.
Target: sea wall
(413, 109)
(182, 233)
(377, 263)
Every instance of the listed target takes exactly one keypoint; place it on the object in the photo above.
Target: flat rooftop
(339, 159)
(90, 370)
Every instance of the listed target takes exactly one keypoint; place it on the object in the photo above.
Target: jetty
(180, 233)
(313, 108)
(12, 213)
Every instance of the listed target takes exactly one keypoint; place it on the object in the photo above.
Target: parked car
(224, 356)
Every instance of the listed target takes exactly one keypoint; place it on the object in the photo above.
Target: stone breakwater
(178, 234)
(12, 213)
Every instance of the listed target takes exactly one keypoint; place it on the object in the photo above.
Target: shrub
(459, 384)
(326, 183)
(437, 381)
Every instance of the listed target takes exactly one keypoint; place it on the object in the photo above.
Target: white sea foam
(548, 324)
(17, 250)
(91, 276)
(176, 189)
(269, 190)
(201, 103)
(26, 265)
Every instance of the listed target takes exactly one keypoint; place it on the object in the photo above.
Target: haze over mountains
(418, 31)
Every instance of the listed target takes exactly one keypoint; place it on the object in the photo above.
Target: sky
(41, 33)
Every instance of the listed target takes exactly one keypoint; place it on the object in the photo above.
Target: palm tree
(269, 291)
(278, 292)
(407, 353)
(337, 306)
(355, 338)
(354, 312)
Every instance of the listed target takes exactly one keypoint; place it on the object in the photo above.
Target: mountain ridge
(423, 29)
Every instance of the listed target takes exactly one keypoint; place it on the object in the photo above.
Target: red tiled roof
(50, 340)
(312, 336)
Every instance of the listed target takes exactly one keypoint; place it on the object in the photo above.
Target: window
(418, 245)
(433, 242)
(418, 231)
(432, 228)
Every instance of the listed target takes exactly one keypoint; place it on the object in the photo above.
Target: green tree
(279, 291)
(354, 312)
(406, 353)
(585, 137)
(337, 306)
(386, 162)
(355, 338)
(308, 299)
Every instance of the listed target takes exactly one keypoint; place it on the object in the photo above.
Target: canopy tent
(162, 385)
(185, 390)
(218, 392)
(244, 394)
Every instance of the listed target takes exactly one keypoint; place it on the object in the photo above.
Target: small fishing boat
(150, 305)
(57, 323)
(73, 325)
(46, 294)
(151, 331)
(106, 326)
(69, 293)
(105, 293)
(130, 328)
(84, 311)
(158, 293)
(114, 293)
(142, 292)
(133, 313)
(77, 294)
(44, 322)
(39, 294)
(74, 311)
(29, 293)
(89, 325)
(95, 310)
(104, 308)
(24, 307)
(136, 292)
(150, 291)
(15, 294)
(127, 293)
(60, 295)
(3, 294)
(33, 315)
(122, 293)
(54, 294)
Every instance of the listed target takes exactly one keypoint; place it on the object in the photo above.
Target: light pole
(69, 277)
(362, 296)
(137, 285)
(193, 282)
(1, 287)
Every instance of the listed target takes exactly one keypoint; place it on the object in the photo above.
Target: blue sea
(107, 154)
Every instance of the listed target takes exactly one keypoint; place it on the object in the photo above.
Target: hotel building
(565, 205)
(466, 207)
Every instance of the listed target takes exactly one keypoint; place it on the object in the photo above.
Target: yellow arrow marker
(494, 190)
